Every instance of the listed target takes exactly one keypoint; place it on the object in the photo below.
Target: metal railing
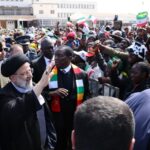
(110, 90)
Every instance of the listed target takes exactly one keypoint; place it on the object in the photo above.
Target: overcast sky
(123, 6)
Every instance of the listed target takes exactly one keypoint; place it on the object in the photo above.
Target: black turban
(12, 64)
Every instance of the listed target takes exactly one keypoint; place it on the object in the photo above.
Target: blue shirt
(140, 104)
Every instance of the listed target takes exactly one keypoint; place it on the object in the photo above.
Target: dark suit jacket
(68, 81)
(64, 118)
(39, 67)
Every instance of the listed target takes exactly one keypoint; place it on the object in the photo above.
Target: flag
(93, 19)
(142, 19)
(81, 20)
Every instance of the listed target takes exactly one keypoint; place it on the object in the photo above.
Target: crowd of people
(51, 80)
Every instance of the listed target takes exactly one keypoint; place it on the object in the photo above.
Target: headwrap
(138, 49)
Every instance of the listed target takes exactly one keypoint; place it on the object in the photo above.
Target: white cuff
(41, 100)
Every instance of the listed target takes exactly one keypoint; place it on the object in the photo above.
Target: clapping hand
(62, 92)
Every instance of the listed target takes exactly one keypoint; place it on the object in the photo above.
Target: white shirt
(47, 61)
(67, 69)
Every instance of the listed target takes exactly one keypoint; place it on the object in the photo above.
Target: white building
(45, 12)
(14, 13)
(48, 12)
(18, 3)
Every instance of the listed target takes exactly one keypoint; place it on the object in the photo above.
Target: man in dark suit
(69, 88)
(40, 64)
(43, 60)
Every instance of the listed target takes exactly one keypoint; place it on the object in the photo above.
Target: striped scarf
(53, 84)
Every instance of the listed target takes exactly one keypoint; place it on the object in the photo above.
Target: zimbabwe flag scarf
(53, 84)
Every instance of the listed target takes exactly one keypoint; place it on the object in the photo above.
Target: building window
(8, 12)
(52, 11)
(41, 11)
(63, 5)
(67, 6)
(79, 6)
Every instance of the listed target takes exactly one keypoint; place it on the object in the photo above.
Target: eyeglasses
(26, 72)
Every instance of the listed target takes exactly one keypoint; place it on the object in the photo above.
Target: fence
(109, 90)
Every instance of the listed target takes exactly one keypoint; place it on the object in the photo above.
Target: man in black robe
(19, 104)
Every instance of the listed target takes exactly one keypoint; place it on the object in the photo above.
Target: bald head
(47, 47)
(16, 49)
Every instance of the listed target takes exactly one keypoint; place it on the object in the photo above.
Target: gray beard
(23, 89)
